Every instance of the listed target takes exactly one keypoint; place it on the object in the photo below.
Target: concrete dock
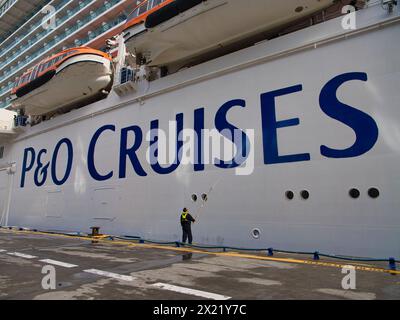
(104, 269)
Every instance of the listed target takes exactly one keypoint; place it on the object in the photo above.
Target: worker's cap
(185, 209)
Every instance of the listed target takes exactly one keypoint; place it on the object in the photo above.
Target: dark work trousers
(187, 233)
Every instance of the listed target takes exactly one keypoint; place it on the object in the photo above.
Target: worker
(186, 223)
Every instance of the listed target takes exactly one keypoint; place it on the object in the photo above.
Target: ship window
(35, 72)
(1, 152)
(373, 193)
(25, 78)
(354, 193)
(31, 76)
(204, 197)
(42, 67)
(156, 3)
(142, 9)
(194, 197)
(289, 195)
(130, 16)
(305, 194)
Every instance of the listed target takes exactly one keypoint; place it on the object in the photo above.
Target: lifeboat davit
(71, 78)
(180, 30)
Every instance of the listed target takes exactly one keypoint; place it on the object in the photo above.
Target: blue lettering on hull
(363, 125)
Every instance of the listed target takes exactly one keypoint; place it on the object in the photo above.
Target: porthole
(204, 197)
(305, 195)
(354, 193)
(194, 197)
(289, 195)
(373, 193)
(256, 233)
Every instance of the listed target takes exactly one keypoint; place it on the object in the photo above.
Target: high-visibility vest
(184, 215)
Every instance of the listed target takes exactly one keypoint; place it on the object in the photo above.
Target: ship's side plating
(131, 202)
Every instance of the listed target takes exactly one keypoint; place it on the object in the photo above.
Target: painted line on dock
(58, 263)
(110, 274)
(193, 292)
(21, 255)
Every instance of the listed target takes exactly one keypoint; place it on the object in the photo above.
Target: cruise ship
(109, 120)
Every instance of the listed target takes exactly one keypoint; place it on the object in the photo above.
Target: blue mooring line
(269, 251)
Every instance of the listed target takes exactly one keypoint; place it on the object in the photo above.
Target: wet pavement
(114, 270)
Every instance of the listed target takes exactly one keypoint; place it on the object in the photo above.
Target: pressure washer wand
(209, 192)
(205, 200)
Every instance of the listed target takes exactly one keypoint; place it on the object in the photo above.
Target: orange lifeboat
(70, 78)
(181, 32)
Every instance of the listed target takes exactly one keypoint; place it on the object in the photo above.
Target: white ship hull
(149, 206)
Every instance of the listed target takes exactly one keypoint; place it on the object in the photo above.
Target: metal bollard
(316, 255)
(270, 252)
(392, 264)
(95, 231)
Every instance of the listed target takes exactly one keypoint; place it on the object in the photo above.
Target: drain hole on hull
(256, 233)
(373, 193)
(289, 195)
(305, 195)
(354, 193)
(194, 197)
(204, 197)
